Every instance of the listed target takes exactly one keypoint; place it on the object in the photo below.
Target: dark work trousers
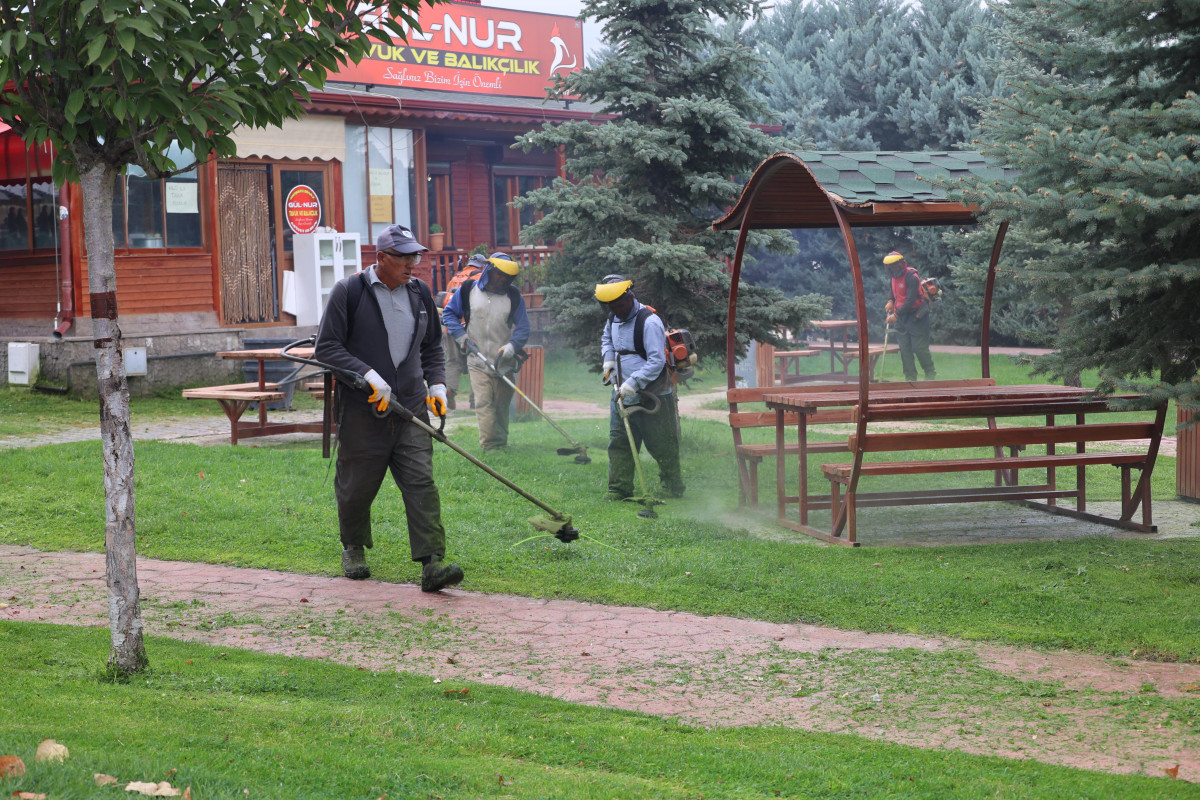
(659, 432)
(913, 337)
(368, 447)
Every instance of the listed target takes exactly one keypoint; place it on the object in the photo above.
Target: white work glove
(381, 392)
(507, 351)
(609, 366)
(437, 399)
(628, 389)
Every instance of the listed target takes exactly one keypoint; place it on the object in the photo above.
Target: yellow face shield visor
(608, 292)
(505, 266)
(892, 257)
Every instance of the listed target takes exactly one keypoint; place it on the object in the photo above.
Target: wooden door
(247, 263)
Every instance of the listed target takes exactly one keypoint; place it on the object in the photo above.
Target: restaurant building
(418, 133)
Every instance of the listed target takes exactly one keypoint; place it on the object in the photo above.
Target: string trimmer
(887, 329)
(647, 501)
(576, 449)
(557, 524)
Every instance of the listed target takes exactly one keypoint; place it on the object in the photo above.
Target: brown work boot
(354, 564)
(436, 575)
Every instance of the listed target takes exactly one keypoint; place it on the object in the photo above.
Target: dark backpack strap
(514, 300)
(354, 293)
(465, 287)
(639, 331)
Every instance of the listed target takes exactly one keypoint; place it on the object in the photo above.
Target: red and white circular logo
(302, 210)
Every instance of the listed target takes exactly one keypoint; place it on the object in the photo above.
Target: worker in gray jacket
(489, 315)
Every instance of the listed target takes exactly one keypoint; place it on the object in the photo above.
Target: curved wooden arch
(783, 192)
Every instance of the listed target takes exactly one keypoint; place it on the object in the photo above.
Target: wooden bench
(787, 360)
(235, 398)
(843, 501)
(749, 456)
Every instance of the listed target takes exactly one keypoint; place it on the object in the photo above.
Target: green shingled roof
(895, 177)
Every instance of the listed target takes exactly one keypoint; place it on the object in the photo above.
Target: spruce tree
(1102, 120)
(648, 177)
(876, 75)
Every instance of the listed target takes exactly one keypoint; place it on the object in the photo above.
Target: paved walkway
(1063, 708)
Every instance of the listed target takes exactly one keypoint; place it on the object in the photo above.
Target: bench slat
(222, 393)
(759, 451)
(984, 464)
(943, 409)
(1004, 437)
(766, 419)
(755, 394)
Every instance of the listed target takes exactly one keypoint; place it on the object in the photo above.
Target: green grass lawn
(273, 507)
(234, 724)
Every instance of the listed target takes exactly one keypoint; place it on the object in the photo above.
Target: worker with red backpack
(635, 362)
(908, 311)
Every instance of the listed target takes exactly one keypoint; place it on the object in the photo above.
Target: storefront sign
(476, 50)
(302, 210)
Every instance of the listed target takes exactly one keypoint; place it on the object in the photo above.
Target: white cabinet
(321, 260)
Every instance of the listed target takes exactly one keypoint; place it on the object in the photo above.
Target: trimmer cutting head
(580, 453)
(562, 529)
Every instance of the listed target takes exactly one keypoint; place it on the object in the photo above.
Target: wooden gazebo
(893, 189)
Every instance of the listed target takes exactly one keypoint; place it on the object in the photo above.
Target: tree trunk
(1064, 322)
(127, 653)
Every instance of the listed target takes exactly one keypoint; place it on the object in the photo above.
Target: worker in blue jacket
(488, 315)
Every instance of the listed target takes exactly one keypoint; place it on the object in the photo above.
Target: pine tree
(876, 75)
(647, 182)
(1102, 121)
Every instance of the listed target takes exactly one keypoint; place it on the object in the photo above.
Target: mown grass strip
(233, 724)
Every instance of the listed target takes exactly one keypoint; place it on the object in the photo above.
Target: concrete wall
(174, 358)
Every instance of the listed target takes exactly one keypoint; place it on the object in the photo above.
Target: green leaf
(94, 48)
(74, 105)
(127, 40)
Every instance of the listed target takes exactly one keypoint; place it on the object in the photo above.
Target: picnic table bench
(235, 398)
(922, 402)
(741, 419)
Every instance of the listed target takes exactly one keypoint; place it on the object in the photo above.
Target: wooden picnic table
(841, 354)
(236, 398)
(942, 402)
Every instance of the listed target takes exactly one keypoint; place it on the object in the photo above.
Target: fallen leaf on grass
(1191, 687)
(187, 793)
(1172, 771)
(463, 690)
(28, 796)
(50, 750)
(103, 780)
(11, 767)
(162, 789)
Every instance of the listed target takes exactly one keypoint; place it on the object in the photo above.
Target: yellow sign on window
(381, 208)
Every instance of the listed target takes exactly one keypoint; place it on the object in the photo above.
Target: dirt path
(1115, 715)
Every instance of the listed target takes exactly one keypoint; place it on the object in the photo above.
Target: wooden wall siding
(471, 199)
(28, 286)
(159, 284)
